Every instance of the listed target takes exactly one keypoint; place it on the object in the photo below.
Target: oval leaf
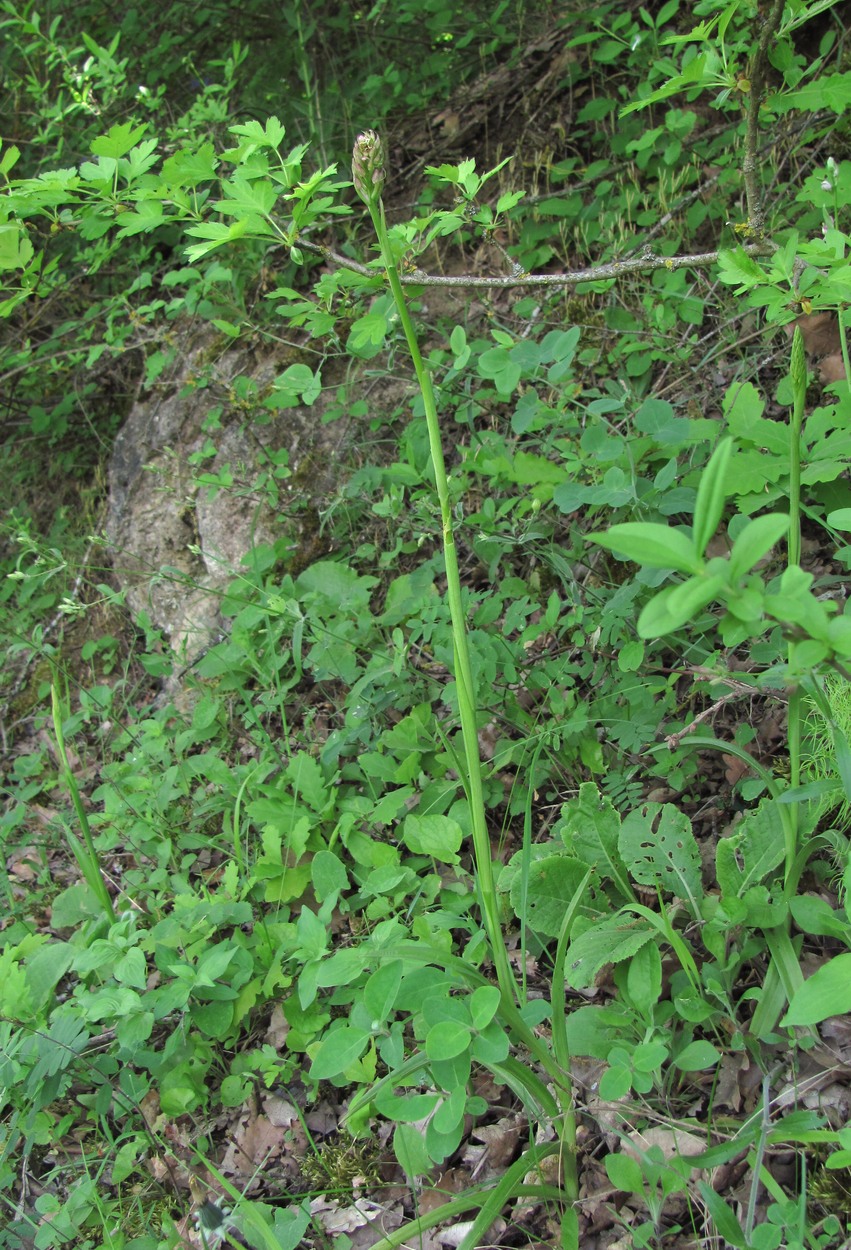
(757, 538)
(826, 993)
(711, 495)
(337, 1052)
(656, 546)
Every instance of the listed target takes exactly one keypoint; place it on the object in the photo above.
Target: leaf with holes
(657, 844)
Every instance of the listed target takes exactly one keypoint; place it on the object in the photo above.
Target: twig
(756, 74)
(673, 740)
(647, 262)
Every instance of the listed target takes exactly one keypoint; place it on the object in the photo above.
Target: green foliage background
(295, 837)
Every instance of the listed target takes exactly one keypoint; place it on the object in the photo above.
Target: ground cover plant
(485, 881)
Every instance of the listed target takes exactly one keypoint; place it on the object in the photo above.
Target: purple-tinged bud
(368, 167)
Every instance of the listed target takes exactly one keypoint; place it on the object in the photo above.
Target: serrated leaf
(118, 140)
(736, 268)
(609, 942)
(590, 830)
(551, 886)
(752, 851)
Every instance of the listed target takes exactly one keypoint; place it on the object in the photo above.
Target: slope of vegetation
(485, 883)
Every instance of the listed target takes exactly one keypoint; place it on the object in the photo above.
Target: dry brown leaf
(276, 1034)
(820, 332)
(736, 769)
(831, 368)
(673, 1142)
(280, 1111)
(254, 1144)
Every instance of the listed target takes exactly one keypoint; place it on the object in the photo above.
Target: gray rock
(176, 543)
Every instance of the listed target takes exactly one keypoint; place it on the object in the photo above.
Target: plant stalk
(467, 707)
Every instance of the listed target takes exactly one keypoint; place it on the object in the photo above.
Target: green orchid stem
(798, 374)
(469, 728)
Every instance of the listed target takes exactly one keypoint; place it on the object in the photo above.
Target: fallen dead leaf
(255, 1143)
(674, 1143)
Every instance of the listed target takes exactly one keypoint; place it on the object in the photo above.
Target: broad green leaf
(328, 875)
(753, 850)
(589, 829)
(438, 836)
(9, 159)
(407, 1108)
(410, 1149)
(484, 1004)
(659, 848)
(655, 546)
(491, 1045)
(609, 942)
(711, 495)
(631, 656)
(826, 993)
(450, 1113)
(840, 519)
(755, 540)
(446, 1039)
(675, 606)
(644, 978)
(697, 1056)
(551, 885)
(625, 1173)
(337, 1052)
(498, 365)
(381, 990)
(817, 918)
(131, 969)
(308, 782)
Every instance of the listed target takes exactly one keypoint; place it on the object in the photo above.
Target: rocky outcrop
(211, 415)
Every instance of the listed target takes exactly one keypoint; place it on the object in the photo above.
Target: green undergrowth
(260, 874)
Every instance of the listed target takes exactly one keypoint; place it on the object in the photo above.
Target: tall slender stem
(798, 374)
(369, 179)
